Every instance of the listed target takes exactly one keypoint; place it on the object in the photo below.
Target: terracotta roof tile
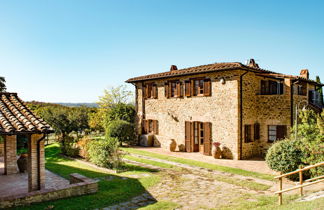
(16, 118)
(196, 70)
(211, 68)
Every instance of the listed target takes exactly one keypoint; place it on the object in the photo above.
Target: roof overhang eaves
(25, 132)
(190, 73)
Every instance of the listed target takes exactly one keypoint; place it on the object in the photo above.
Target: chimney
(304, 73)
(173, 68)
(253, 64)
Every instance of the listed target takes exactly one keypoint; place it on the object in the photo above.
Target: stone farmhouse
(244, 108)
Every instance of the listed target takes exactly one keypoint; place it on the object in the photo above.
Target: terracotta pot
(22, 163)
(216, 152)
(172, 145)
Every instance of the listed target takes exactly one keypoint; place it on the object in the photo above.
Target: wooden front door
(198, 137)
(191, 136)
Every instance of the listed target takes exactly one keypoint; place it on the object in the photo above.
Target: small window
(247, 134)
(201, 125)
(150, 127)
(196, 133)
(270, 87)
(199, 87)
(276, 132)
(302, 89)
(150, 91)
(173, 89)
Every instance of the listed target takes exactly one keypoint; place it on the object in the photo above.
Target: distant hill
(42, 104)
(79, 104)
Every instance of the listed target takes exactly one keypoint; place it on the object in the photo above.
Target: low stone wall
(80, 185)
(1, 149)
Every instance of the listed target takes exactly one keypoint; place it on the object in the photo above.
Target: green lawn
(165, 205)
(150, 162)
(110, 191)
(201, 164)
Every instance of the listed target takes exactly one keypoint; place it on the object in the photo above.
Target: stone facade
(172, 113)
(235, 101)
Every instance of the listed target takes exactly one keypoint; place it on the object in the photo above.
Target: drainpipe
(241, 115)
(38, 161)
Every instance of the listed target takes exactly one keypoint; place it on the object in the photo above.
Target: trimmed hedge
(285, 156)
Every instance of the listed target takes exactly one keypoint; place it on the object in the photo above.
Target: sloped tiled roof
(197, 70)
(211, 68)
(16, 117)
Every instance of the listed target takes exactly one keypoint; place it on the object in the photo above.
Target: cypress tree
(320, 90)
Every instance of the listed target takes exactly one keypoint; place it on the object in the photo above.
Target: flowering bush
(216, 144)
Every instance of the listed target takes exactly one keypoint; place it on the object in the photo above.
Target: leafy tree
(65, 120)
(3, 87)
(113, 105)
(311, 139)
(115, 96)
(121, 111)
(96, 120)
(320, 90)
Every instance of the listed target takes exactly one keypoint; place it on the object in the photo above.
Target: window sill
(259, 94)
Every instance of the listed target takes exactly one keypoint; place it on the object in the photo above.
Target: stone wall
(221, 109)
(1, 149)
(80, 185)
(266, 110)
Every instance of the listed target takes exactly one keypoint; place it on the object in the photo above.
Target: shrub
(122, 130)
(68, 147)
(285, 156)
(83, 145)
(105, 153)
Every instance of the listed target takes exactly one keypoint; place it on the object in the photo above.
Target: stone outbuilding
(240, 108)
(17, 119)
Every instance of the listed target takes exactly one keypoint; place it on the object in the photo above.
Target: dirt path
(194, 187)
(191, 189)
(256, 165)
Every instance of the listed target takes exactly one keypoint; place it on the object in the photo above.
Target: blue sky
(69, 51)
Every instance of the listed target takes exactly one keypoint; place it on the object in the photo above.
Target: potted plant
(216, 150)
